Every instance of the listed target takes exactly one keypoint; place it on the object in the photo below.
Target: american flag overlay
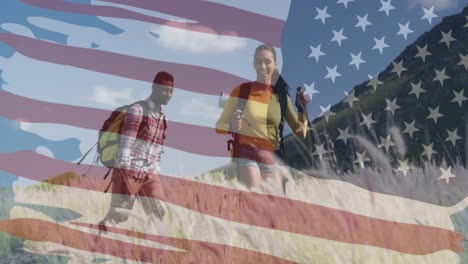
(380, 178)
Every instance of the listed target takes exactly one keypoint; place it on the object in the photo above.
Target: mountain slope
(434, 132)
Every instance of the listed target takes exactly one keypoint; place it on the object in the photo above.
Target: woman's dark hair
(281, 87)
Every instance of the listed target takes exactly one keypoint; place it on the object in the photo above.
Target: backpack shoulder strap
(283, 100)
(244, 92)
(164, 118)
(144, 107)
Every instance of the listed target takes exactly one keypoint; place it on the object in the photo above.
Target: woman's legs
(253, 176)
(257, 166)
(250, 176)
(273, 179)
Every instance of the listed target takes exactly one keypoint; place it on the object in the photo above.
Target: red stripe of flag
(188, 77)
(223, 19)
(196, 251)
(185, 137)
(267, 211)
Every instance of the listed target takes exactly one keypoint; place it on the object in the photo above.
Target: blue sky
(55, 83)
(62, 84)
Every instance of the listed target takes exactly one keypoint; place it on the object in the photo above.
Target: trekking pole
(238, 116)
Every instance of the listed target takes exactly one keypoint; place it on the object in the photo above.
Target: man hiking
(140, 145)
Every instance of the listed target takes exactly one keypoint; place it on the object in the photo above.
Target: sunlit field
(76, 205)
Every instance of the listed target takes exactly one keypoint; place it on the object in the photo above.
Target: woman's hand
(302, 99)
(235, 124)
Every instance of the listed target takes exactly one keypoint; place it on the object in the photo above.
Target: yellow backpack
(108, 140)
(109, 135)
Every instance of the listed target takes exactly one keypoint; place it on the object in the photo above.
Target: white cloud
(17, 29)
(45, 151)
(25, 126)
(199, 108)
(148, 46)
(198, 42)
(107, 96)
(438, 5)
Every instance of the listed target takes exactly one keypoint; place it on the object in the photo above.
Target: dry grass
(181, 222)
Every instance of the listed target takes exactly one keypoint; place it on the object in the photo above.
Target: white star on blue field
(312, 42)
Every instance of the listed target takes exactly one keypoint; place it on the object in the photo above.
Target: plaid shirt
(141, 146)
